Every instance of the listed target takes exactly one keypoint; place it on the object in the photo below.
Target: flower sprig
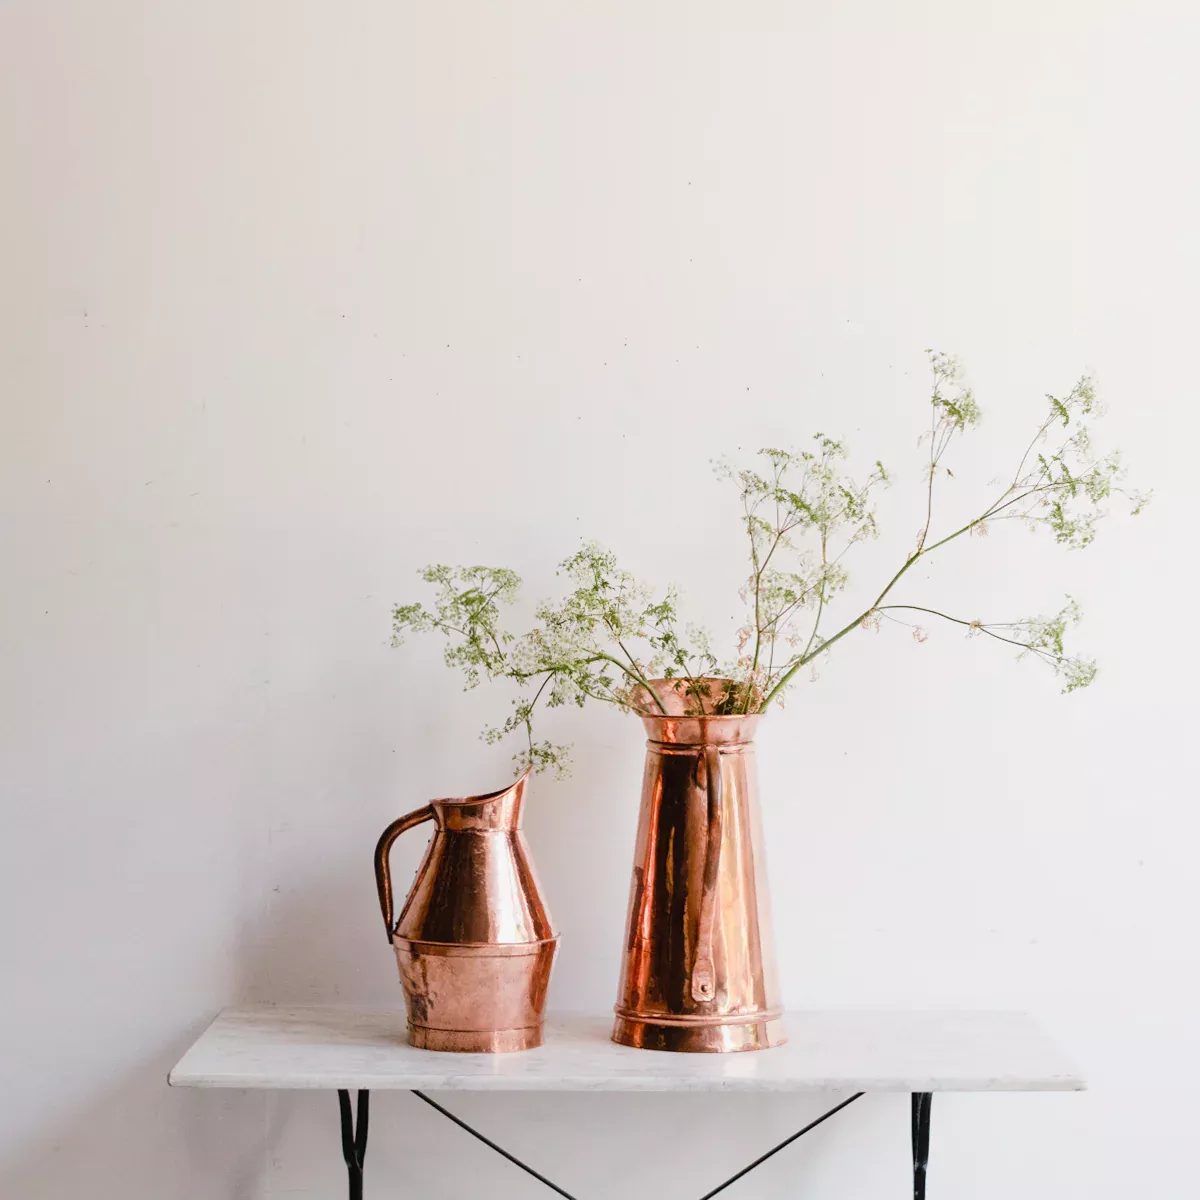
(801, 516)
(604, 640)
(609, 636)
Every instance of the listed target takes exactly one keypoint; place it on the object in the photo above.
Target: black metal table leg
(354, 1138)
(922, 1102)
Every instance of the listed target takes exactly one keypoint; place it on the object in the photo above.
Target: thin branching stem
(795, 506)
(988, 629)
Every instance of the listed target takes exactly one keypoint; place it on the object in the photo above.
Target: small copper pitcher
(474, 942)
(699, 964)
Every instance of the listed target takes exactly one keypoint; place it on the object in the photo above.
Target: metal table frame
(355, 1123)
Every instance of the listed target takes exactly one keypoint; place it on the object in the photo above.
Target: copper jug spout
(474, 941)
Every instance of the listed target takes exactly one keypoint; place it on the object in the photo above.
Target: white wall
(297, 297)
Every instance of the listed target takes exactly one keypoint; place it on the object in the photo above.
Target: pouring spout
(499, 810)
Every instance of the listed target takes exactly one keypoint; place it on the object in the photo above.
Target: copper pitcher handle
(704, 973)
(383, 870)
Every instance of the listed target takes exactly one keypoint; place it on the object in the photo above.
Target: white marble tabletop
(303, 1047)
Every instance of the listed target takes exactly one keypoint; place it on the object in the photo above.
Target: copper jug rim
(677, 727)
(486, 797)
(676, 697)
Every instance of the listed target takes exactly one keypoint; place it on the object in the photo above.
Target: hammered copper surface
(474, 942)
(699, 963)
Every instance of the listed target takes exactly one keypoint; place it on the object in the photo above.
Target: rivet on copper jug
(474, 942)
(698, 972)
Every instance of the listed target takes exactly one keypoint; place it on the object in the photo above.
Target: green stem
(1000, 505)
(841, 633)
(635, 675)
(529, 715)
(812, 637)
(610, 699)
(997, 507)
(781, 529)
(599, 656)
(933, 612)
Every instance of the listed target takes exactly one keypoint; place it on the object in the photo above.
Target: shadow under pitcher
(699, 962)
(474, 941)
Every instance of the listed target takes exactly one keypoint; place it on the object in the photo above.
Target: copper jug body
(474, 941)
(699, 959)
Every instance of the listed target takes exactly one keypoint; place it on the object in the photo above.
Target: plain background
(297, 297)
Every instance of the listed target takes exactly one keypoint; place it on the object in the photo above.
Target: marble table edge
(1070, 1080)
(608, 1084)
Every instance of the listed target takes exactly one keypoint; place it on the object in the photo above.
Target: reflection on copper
(699, 961)
(474, 941)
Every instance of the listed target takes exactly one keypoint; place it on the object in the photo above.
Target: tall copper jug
(474, 941)
(699, 963)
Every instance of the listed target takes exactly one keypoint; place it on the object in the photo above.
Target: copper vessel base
(475, 999)
(699, 1037)
(474, 1041)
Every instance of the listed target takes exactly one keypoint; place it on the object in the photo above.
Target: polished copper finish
(474, 942)
(699, 963)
